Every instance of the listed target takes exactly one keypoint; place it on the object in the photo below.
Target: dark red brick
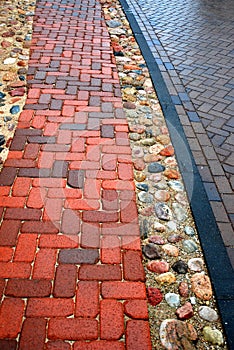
(100, 273)
(39, 227)
(25, 288)
(7, 176)
(65, 281)
(57, 345)
(22, 214)
(33, 334)
(138, 335)
(132, 266)
(9, 232)
(100, 216)
(8, 344)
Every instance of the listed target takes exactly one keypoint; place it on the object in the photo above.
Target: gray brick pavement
(192, 43)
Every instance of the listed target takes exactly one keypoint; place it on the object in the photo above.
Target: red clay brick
(87, 299)
(136, 309)
(53, 209)
(120, 229)
(45, 263)
(6, 253)
(12, 202)
(15, 270)
(25, 288)
(131, 243)
(22, 214)
(100, 216)
(100, 273)
(49, 307)
(58, 241)
(70, 222)
(123, 290)
(82, 204)
(99, 345)
(111, 320)
(33, 334)
(64, 193)
(90, 235)
(9, 232)
(68, 111)
(118, 185)
(116, 149)
(5, 190)
(26, 247)
(125, 171)
(110, 250)
(11, 315)
(92, 188)
(50, 183)
(65, 281)
(31, 151)
(45, 160)
(128, 211)
(132, 266)
(39, 227)
(20, 163)
(21, 187)
(26, 115)
(109, 162)
(2, 287)
(57, 345)
(138, 335)
(73, 329)
(36, 198)
(38, 122)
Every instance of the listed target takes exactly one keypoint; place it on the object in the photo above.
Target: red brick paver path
(71, 275)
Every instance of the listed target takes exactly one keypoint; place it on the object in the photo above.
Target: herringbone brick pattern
(192, 42)
(69, 233)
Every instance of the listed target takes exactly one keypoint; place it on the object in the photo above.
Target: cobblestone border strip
(220, 270)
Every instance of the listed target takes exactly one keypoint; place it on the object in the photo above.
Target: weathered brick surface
(138, 335)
